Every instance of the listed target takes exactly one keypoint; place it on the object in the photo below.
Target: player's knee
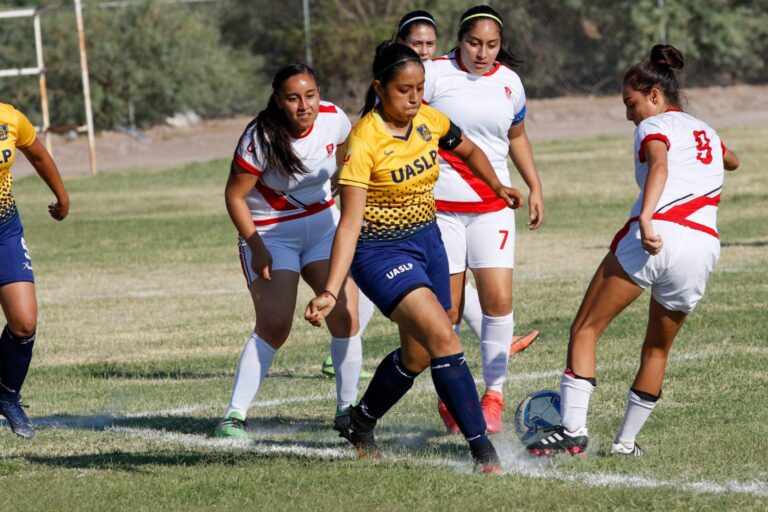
(275, 333)
(23, 328)
(444, 342)
(498, 306)
(343, 323)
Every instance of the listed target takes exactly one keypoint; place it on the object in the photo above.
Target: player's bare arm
(41, 160)
(239, 185)
(478, 163)
(522, 156)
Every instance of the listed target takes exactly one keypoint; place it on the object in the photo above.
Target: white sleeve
(430, 78)
(651, 128)
(248, 155)
(518, 94)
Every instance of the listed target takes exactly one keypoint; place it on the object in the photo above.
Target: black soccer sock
(15, 357)
(391, 381)
(456, 388)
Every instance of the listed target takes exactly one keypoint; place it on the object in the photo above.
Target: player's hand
(535, 210)
(261, 260)
(318, 308)
(512, 196)
(651, 242)
(59, 209)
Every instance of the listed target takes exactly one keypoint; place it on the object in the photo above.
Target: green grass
(143, 312)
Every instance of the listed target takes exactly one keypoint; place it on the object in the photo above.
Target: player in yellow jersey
(388, 236)
(17, 288)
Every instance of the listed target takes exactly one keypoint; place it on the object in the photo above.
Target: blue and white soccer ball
(537, 411)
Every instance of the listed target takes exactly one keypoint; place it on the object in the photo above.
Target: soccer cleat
(492, 405)
(520, 343)
(357, 428)
(559, 440)
(231, 426)
(20, 424)
(486, 459)
(328, 371)
(619, 448)
(450, 425)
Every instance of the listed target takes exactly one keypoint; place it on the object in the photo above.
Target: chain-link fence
(151, 58)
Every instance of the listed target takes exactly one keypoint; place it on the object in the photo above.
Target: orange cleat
(450, 424)
(520, 343)
(493, 405)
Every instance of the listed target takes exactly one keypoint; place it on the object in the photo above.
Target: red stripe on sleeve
(648, 138)
(247, 166)
(722, 145)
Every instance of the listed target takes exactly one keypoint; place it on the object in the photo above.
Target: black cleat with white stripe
(560, 440)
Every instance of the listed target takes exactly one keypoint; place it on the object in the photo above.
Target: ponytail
(658, 71)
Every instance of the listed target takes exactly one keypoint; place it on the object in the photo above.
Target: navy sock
(456, 388)
(15, 357)
(390, 382)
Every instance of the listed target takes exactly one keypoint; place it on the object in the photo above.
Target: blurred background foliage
(158, 57)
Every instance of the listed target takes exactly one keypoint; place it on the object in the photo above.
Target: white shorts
(678, 274)
(294, 244)
(478, 240)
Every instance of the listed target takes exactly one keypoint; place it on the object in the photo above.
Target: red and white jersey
(695, 169)
(277, 198)
(484, 107)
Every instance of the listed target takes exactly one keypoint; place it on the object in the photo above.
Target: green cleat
(231, 426)
(328, 371)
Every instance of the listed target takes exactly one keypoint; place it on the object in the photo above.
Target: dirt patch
(561, 118)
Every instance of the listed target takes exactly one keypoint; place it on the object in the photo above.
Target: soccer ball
(537, 411)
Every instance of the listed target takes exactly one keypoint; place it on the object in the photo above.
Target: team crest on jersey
(3, 132)
(250, 148)
(329, 149)
(508, 92)
(424, 132)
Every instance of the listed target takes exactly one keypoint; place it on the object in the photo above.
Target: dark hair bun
(666, 55)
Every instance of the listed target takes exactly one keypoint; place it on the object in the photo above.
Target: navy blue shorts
(15, 264)
(387, 271)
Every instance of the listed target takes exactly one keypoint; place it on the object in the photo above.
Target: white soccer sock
(496, 337)
(347, 356)
(637, 413)
(574, 401)
(252, 367)
(473, 315)
(365, 311)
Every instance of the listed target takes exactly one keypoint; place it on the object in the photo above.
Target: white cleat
(619, 448)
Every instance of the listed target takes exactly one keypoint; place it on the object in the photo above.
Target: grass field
(143, 312)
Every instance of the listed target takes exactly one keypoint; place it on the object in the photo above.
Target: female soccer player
(418, 30)
(279, 198)
(475, 86)
(17, 282)
(670, 244)
(388, 234)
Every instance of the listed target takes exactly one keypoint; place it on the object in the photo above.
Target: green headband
(482, 15)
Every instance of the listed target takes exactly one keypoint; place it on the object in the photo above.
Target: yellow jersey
(15, 132)
(398, 172)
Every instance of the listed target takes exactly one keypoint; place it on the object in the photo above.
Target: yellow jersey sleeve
(358, 163)
(26, 132)
(438, 120)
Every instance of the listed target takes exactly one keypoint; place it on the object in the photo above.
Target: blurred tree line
(157, 57)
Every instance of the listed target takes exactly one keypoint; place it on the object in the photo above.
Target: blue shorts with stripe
(387, 271)
(15, 264)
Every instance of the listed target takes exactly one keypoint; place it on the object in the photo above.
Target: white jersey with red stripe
(277, 198)
(695, 169)
(484, 107)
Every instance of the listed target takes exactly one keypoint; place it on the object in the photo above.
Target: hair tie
(482, 15)
(417, 18)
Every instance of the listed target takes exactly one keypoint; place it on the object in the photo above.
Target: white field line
(530, 468)
(423, 386)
